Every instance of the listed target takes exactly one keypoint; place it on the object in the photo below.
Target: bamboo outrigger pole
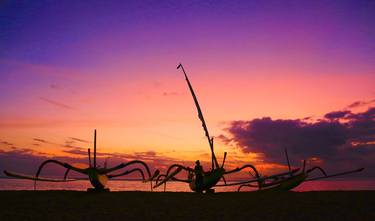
(94, 148)
(200, 116)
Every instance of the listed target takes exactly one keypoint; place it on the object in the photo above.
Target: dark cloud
(79, 140)
(23, 150)
(27, 161)
(6, 143)
(360, 104)
(56, 103)
(71, 143)
(342, 139)
(146, 154)
(224, 139)
(336, 115)
(83, 152)
(67, 145)
(76, 151)
(20, 150)
(40, 140)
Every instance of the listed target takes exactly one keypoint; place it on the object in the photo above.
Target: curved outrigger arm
(257, 175)
(128, 172)
(171, 178)
(336, 174)
(170, 175)
(136, 170)
(239, 183)
(132, 171)
(278, 175)
(28, 177)
(178, 166)
(37, 178)
(244, 167)
(122, 165)
(166, 177)
(66, 165)
(260, 179)
(174, 179)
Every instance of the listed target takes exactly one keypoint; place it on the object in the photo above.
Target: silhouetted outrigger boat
(210, 178)
(277, 182)
(287, 180)
(98, 176)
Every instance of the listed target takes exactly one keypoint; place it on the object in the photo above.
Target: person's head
(197, 162)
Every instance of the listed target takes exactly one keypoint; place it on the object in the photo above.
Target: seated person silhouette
(198, 170)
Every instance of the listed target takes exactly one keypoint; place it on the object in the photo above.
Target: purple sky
(67, 67)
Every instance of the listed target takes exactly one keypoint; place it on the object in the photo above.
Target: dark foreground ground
(71, 205)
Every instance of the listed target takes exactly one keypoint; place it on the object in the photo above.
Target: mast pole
(95, 148)
(200, 116)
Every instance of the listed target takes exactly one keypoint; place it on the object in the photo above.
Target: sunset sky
(267, 75)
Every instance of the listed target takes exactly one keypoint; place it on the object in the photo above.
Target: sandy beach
(76, 205)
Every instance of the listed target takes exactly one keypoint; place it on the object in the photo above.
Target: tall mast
(95, 148)
(200, 116)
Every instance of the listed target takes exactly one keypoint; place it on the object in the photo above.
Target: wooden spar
(94, 148)
(89, 153)
(337, 174)
(27, 177)
(287, 159)
(200, 116)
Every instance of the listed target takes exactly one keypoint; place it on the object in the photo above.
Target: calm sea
(120, 185)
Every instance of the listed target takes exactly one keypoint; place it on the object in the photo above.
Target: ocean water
(121, 185)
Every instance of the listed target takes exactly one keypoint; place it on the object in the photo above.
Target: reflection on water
(120, 185)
